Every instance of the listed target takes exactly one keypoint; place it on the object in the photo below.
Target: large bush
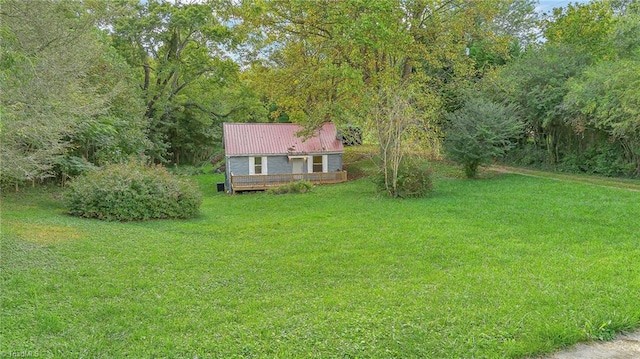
(414, 180)
(132, 192)
(480, 131)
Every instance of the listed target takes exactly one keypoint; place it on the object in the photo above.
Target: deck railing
(261, 182)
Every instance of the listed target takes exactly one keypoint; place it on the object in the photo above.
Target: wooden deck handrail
(261, 182)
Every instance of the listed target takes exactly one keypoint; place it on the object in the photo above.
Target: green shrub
(480, 131)
(414, 179)
(605, 160)
(302, 186)
(132, 192)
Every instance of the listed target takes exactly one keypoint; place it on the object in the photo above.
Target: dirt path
(623, 347)
(626, 184)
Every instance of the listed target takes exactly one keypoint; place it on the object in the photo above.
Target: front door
(298, 165)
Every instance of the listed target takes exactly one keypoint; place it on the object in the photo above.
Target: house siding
(278, 164)
(239, 166)
(334, 162)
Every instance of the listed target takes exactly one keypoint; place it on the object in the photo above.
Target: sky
(548, 5)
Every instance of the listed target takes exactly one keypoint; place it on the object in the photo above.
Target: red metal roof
(241, 139)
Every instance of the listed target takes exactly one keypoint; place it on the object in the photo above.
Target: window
(257, 165)
(317, 163)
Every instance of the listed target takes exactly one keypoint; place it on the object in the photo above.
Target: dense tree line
(94, 82)
(578, 92)
(189, 82)
(67, 98)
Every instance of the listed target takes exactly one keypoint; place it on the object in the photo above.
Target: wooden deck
(263, 182)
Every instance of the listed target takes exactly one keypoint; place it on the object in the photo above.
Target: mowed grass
(510, 266)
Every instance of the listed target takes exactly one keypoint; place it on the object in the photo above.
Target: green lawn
(510, 266)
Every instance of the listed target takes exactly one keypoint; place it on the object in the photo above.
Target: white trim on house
(325, 163)
(263, 165)
(252, 165)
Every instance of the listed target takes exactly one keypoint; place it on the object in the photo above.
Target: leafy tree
(340, 61)
(480, 131)
(576, 92)
(537, 84)
(606, 97)
(120, 129)
(585, 27)
(516, 22)
(189, 82)
(626, 34)
(58, 76)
